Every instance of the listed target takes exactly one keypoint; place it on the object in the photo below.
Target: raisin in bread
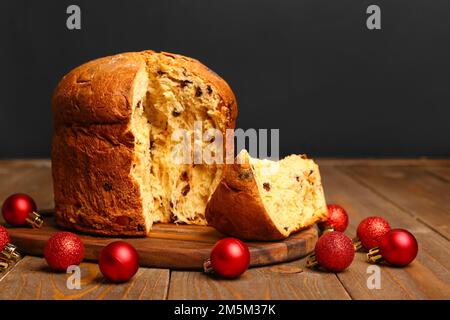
(267, 200)
(113, 121)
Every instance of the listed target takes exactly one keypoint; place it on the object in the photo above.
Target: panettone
(267, 200)
(113, 123)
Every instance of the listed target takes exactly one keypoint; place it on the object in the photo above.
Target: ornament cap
(374, 256)
(3, 265)
(327, 229)
(35, 220)
(207, 266)
(10, 252)
(357, 244)
(311, 261)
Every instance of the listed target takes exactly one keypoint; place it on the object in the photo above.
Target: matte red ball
(371, 230)
(4, 237)
(230, 258)
(63, 249)
(337, 218)
(118, 261)
(399, 247)
(17, 207)
(334, 251)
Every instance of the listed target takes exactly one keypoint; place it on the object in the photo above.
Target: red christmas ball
(371, 230)
(17, 207)
(4, 237)
(62, 250)
(230, 258)
(334, 251)
(337, 219)
(118, 261)
(399, 247)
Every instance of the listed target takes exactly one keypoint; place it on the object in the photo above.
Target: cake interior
(290, 190)
(169, 102)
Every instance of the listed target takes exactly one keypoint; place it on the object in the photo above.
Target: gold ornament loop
(374, 256)
(311, 261)
(3, 265)
(11, 253)
(207, 266)
(357, 244)
(35, 220)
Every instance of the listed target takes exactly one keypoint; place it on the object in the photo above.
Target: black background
(308, 67)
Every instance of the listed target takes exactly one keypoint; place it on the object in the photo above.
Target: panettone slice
(267, 200)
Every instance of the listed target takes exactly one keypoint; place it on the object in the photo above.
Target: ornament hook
(10, 252)
(374, 256)
(311, 261)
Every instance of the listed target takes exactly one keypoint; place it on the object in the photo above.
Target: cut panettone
(267, 200)
(114, 121)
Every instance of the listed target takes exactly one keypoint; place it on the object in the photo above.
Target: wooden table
(411, 194)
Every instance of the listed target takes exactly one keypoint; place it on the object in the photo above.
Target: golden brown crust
(93, 147)
(97, 92)
(236, 208)
(93, 189)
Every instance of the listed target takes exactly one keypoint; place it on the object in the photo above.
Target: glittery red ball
(118, 261)
(371, 230)
(399, 247)
(230, 257)
(337, 218)
(17, 207)
(334, 251)
(4, 237)
(62, 250)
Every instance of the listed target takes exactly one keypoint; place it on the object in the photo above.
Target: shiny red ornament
(337, 219)
(334, 252)
(398, 247)
(19, 209)
(8, 251)
(63, 249)
(118, 261)
(370, 232)
(229, 258)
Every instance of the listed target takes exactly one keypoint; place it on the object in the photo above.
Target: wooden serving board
(172, 246)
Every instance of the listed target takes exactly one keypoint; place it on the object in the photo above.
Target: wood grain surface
(410, 193)
(32, 279)
(427, 277)
(290, 281)
(414, 190)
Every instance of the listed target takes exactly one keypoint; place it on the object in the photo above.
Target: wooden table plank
(427, 277)
(32, 279)
(32, 177)
(286, 281)
(413, 189)
(6, 271)
(441, 173)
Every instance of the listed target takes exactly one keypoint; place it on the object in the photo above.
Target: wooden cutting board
(172, 246)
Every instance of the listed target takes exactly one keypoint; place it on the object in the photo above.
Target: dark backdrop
(308, 67)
